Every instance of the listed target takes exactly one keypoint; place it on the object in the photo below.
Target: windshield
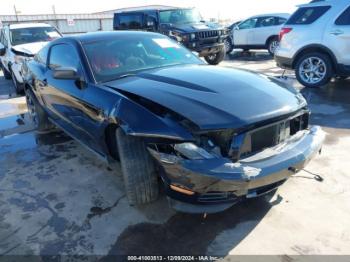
(180, 16)
(34, 34)
(124, 55)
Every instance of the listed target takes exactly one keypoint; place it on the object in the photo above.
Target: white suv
(315, 42)
(20, 42)
(258, 32)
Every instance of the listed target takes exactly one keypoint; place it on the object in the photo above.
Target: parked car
(20, 42)
(184, 25)
(213, 135)
(315, 42)
(229, 40)
(259, 32)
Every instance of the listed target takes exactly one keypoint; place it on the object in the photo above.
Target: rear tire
(272, 45)
(138, 168)
(37, 114)
(216, 58)
(314, 69)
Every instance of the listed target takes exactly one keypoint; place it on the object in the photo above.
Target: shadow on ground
(185, 234)
(249, 56)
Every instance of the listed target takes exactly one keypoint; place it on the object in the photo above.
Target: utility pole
(16, 13)
(55, 16)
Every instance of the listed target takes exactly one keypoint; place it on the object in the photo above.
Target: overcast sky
(233, 9)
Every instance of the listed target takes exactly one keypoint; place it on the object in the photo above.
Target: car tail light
(284, 30)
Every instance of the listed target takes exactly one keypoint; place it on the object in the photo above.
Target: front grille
(248, 143)
(272, 135)
(208, 34)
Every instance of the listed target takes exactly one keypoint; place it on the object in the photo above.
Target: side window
(344, 18)
(41, 56)
(266, 21)
(248, 24)
(131, 21)
(64, 55)
(280, 20)
(307, 15)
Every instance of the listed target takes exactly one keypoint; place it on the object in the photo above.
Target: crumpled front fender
(136, 120)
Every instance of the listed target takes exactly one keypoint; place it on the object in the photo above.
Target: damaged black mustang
(211, 136)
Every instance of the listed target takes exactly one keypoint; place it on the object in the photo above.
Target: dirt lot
(58, 198)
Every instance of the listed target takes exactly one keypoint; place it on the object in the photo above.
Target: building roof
(51, 17)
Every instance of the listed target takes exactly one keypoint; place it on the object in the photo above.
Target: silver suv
(315, 42)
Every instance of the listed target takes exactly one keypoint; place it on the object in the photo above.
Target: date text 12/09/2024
(172, 258)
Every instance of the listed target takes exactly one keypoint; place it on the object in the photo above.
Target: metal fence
(66, 24)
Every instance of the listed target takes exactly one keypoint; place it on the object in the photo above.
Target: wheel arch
(269, 39)
(315, 48)
(111, 141)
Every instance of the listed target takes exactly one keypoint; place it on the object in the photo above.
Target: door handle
(337, 32)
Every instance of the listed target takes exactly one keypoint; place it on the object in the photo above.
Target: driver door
(63, 97)
(244, 31)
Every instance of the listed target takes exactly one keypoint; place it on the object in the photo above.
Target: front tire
(228, 45)
(7, 74)
(138, 168)
(215, 59)
(37, 114)
(314, 69)
(18, 87)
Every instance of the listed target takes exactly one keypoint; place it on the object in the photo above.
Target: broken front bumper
(212, 185)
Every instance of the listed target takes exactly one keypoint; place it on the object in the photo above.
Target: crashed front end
(221, 167)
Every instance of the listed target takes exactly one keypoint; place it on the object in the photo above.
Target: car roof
(105, 35)
(285, 15)
(154, 10)
(28, 25)
(324, 2)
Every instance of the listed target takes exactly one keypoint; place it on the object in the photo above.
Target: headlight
(193, 36)
(193, 152)
(173, 153)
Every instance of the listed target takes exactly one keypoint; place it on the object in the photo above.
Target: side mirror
(2, 49)
(236, 27)
(67, 73)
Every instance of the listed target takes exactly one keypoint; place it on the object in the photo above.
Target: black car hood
(214, 97)
(192, 28)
